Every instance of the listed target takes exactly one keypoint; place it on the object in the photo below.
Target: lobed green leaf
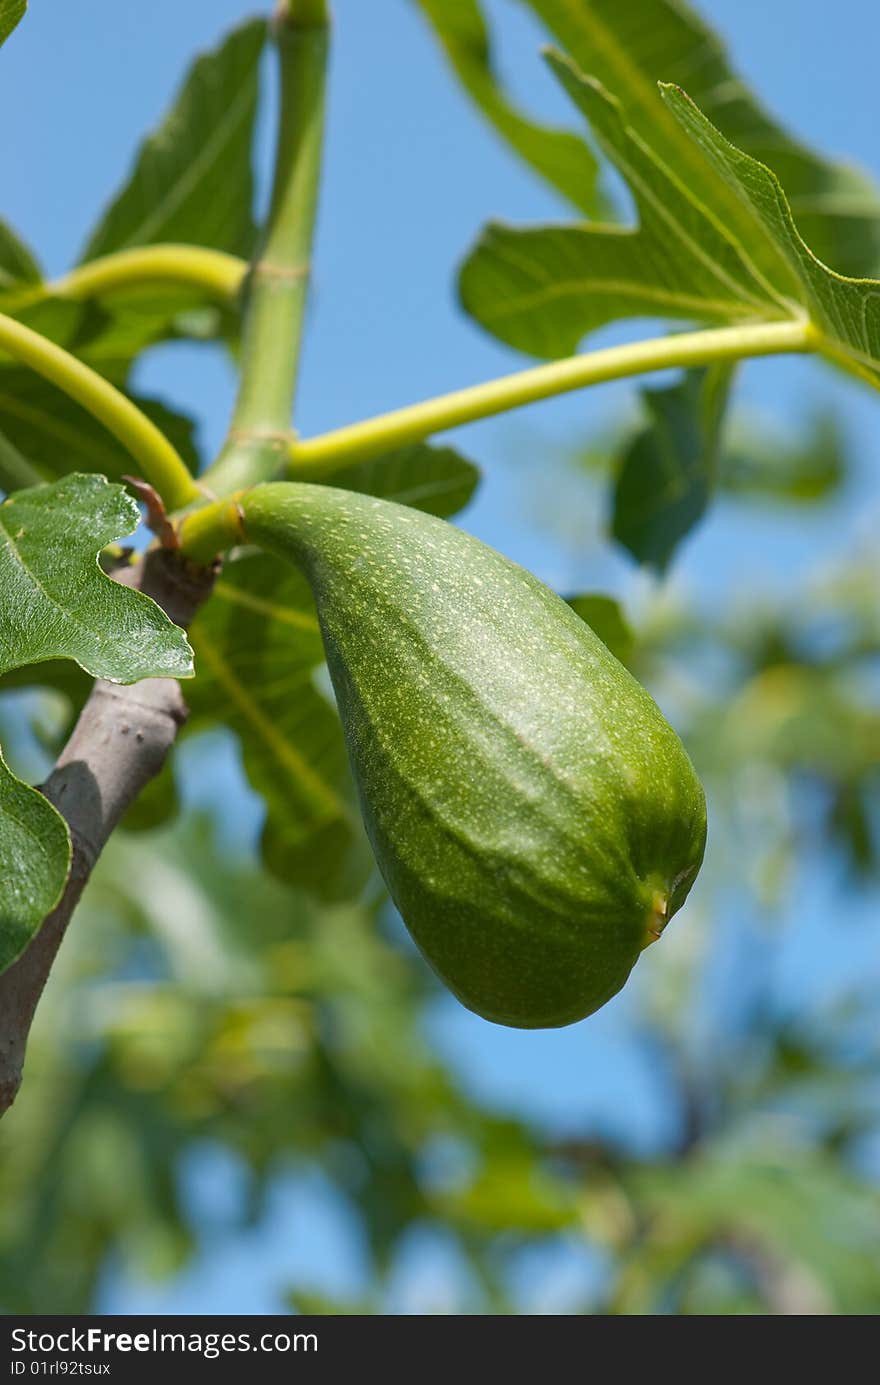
(845, 311)
(543, 290)
(718, 241)
(58, 604)
(632, 45)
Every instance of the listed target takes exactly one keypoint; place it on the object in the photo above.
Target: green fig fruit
(535, 818)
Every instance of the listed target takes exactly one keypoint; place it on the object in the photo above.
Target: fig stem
(359, 442)
(319, 458)
(212, 529)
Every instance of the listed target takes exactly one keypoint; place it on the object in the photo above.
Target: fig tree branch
(119, 743)
(156, 457)
(260, 431)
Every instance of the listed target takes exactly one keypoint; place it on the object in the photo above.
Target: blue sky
(411, 175)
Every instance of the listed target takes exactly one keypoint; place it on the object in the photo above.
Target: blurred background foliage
(199, 1004)
(216, 1040)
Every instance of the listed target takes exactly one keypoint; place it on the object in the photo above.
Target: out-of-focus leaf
(62, 675)
(11, 11)
(631, 45)
(309, 1303)
(59, 319)
(810, 1229)
(850, 823)
(108, 334)
(800, 718)
(17, 264)
(129, 325)
(57, 436)
(755, 464)
(58, 604)
(718, 1283)
(563, 159)
(257, 646)
(192, 179)
(34, 860)
(16, 471)
(37, 418)
(606, 619)
(235, 908)
(436, 479)
(668, 470)
(156, 805)
(512, 1194)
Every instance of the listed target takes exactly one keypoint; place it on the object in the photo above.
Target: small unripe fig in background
(535, 818)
